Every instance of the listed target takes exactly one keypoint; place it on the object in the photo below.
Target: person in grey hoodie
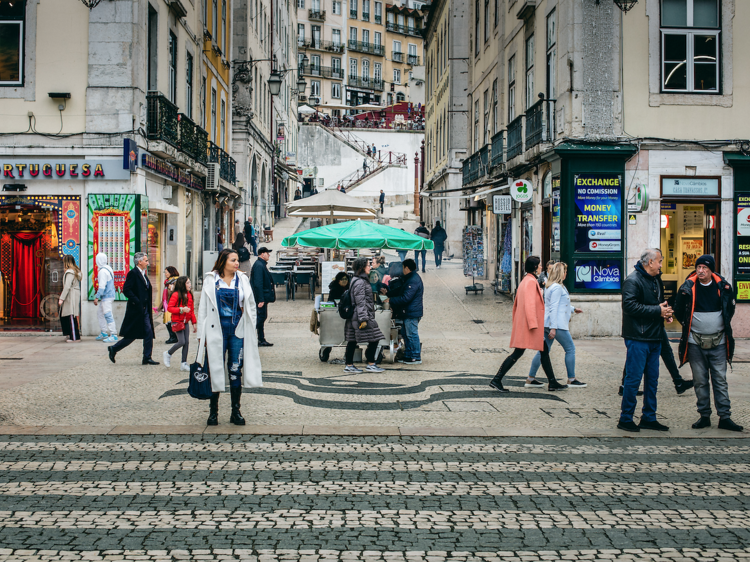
(105, 296)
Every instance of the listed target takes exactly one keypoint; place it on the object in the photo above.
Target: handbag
(178, 326)
(199, 384)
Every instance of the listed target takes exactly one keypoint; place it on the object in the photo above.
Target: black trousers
(369, 352)
(148, 340)
(516, 355)
(262, 315)
(667, 356)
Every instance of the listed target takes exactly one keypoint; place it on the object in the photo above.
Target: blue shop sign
(598, 207)
(598, 275)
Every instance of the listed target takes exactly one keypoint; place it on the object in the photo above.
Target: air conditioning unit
(212, 178)
(314, 100)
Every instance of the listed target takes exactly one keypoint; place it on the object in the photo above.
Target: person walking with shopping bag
(528, 327)
(182, 311)
(70, 300)
(226, 327)
(103, 299)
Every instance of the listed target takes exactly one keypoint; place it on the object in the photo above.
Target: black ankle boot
(236, 417)
(213, 413)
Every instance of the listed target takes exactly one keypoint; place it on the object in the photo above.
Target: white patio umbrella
(331, 204)
(306, 110)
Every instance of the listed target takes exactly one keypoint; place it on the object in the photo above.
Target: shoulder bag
(199, 385)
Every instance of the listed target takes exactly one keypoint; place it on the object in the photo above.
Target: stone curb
(353, 430)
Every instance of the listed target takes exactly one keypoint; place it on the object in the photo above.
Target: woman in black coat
(338, 286)
(362, 327)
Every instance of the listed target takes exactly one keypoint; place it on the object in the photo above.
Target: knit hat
(707, 260)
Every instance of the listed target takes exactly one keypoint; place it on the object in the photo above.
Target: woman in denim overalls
(226, 316)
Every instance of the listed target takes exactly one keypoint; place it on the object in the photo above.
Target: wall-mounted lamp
(625, 5)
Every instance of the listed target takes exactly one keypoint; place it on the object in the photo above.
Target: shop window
(12, 43)
(690, 52)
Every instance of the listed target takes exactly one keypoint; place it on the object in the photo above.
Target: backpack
(346, 306)
(243, 254)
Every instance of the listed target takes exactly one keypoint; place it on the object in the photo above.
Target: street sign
(521, 190)
(502, 204)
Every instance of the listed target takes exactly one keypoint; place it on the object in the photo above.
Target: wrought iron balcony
(378, 18)
(371, 84)
(403, 29)
(496, 155)
(515, 137)
(365, 16)
(483, 159)
(322, 71)
(413, 60)
(317, 15)
(368, 48)
(193, 139)
(397, 56)
(162, 124)
(471, 169)
(540, 123)
(320, 45)
(227, 164)
(353, 14)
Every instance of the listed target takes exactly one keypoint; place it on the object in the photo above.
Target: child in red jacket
(182, 310)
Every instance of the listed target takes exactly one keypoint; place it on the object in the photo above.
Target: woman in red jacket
(182, 310)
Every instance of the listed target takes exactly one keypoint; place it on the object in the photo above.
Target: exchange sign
(598, 207)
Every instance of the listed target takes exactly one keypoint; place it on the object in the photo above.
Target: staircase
(358, 177)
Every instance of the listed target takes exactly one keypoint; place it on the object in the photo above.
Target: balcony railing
(365, 16)
(515, 137)
(496, 155)
(320, 45)
(405, 30)
(323, 71)
(372, 84)
(484, 160)
(192, 139)
(353, 14)
(227, 164)
(317, 15)
(369, 48)
(378, 18)
(472, 168)
(397, 57)
(162, 122)
(535, 124)
(412, 60)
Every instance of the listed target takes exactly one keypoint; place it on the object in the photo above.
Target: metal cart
(332, 333)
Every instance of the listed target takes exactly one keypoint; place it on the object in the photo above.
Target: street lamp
(274, 83)
(301, 84)
(625, 5)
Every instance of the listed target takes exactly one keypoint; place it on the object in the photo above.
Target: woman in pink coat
(528, 326)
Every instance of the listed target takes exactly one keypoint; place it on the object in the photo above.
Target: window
(224, 33)
(213, 114)
(378, 39)
(315, 88)
(336, 36)
(511, 88)
(400, 96)
(530, 72)
(397, 48)
(390, 18)
(486, 20)
(301, 4)
(366, 10)
(353, 35)
(551, 55)
(203, 103)
(690, 45)
(486, 117)
(352, 68)
(410, 23)
(204, 6)
(336, 90)
(366, 70)
(223, 123)
(396, 76)
(215, 19)
(315, 63)
(378, 12)
(476, 125)
(336, 68)
(377, 72)
(495, 123)
(189, 85)
(365, 36)
(353, 8)
(476, 28)
(336, 8)
(153, 47)
(300, 34)
(316, 36)
(497, 13)
(172, 67)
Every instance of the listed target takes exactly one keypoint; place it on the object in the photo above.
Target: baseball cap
(263, 250)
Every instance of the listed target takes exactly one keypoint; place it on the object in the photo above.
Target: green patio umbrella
(352, 235)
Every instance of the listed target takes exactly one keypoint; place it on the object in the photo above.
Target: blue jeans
(413, 349)
(642, 363)
(438, 256)
(566, 341)
(424, 258)
(233, 348)
(401, 254)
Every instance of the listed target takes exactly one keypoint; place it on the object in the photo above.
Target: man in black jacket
(138, 323)
(409, 304)
(424, 233)
(643, 312)
(264, 292)
(705, 307)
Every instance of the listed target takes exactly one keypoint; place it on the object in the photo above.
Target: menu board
(743, 233)
(473, 251)
(692, 220)
(598, 208)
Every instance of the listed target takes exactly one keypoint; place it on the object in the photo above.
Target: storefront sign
(177, 175)
(501, 204)
(743, 290)
(555, 216)
(521, 190)
(598, 275)
(62, 169)
(598, 207)
(705, 187)
(743, 233)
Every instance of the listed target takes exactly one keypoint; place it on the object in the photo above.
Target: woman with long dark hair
(182, 311)
(362, 327)
(338, 286)
(528, 327)
(70, 300)
(226, 325)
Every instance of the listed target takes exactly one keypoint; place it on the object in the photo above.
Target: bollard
(400, 220)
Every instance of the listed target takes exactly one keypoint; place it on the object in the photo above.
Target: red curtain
(26, 280)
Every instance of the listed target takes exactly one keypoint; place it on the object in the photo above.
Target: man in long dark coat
(138, 323)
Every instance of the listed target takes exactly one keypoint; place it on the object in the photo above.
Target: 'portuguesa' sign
(63, 169)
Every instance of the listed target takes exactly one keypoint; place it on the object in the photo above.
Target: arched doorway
(264, 218)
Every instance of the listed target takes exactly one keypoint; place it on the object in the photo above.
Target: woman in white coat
(557, 313)
(226, 324)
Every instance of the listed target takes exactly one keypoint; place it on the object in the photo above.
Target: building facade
(103, 150)
(598, 109)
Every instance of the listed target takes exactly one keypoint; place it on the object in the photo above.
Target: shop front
(740, 164)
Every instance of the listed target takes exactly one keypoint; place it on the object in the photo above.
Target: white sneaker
(374, 369)
(352, 369)
(184, 367)
(167, 359)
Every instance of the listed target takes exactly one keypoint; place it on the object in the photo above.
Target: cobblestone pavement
(380, 499)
